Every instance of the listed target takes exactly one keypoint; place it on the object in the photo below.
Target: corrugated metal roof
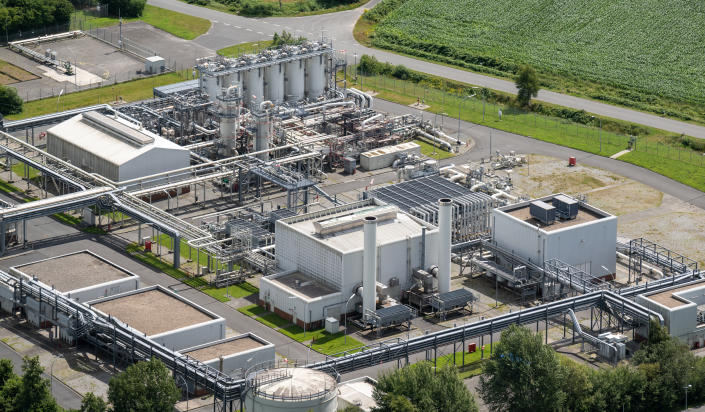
(108, 144)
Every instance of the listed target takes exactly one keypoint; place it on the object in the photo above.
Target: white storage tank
(274, 83)
(210, 85)
(294, 87)
(315, 76)
(291, 389)
(254, 87)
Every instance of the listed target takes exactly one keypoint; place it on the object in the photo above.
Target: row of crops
(652, 46)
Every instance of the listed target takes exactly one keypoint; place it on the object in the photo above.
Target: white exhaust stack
(369, 266)
(444, 211)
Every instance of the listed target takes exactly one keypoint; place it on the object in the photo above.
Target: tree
(10, 101)
(144, 387)
(93, 403)
(420, 388)
(522, 374)
(528, 84)
(31, 392)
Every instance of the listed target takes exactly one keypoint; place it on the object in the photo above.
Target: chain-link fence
(448, 105)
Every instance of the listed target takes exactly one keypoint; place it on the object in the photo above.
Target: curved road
(229, 29)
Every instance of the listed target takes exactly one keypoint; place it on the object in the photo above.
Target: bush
(126, 8)
(10, 101)
(21, 15)
(255, 9)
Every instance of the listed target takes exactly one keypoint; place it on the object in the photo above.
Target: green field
(645, 54)
(244, 48)
(179, 24)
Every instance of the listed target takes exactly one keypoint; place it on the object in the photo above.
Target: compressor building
(114, 147)
(320, 258)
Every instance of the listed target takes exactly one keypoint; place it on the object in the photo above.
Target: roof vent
(118, 129)
(543, 212)
(566, 207)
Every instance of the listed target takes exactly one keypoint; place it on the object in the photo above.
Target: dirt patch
(9, 73)
(643, 211)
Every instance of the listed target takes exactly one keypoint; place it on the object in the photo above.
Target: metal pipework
(444, 225)
(369, 266)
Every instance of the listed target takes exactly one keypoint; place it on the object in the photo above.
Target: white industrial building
(683, 311)
(385, 156)
(320, 260)
(163, 316)
(537, 230)
(114, 147)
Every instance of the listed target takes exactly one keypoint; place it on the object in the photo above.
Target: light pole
(355, 64)
(51, 374)
(185, 387)
(345, 334)
(57, 100)
(686, 394)
(599, 118)
(460, 105)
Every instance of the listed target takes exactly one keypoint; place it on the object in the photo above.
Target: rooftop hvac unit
(566, 207)
(543, 212)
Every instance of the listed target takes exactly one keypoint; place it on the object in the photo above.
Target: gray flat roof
(227, 348)
(521, 211)
(74, 271)
(308, 287)
(667, 298)
(152, 311)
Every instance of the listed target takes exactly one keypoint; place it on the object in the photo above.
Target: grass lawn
(9, 73)
(320, 340)
(150, 259)
(130, 91)
(272, 320)
(190, 253)
(427, 149)
(19, 170)
(473, 362)
(244, 48)
(334, 344)
(252, 310)
(686, 173)
(180, 25)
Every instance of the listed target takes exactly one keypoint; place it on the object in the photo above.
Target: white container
(294, 84)
(315, 77)
(254, 87)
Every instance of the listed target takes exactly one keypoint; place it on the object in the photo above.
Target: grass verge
(190, 253)
(427, 149)
(318, 339)
(180, 25)
(289, 8)
(148, 258)
(129, 91)
(473, 362)
(680, 162)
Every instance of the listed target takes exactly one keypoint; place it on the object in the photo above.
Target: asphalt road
(229, 29)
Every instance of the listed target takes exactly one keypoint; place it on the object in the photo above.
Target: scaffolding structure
(641, 249)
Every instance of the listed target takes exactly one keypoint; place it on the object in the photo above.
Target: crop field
(646, 46)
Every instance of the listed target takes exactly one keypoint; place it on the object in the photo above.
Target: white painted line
(227, 24)
(237, 27)
(215, 21)
(248, 29)
(259, 32)
(616, 155)
(277, 25)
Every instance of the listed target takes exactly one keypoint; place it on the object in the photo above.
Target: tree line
(523, 374)
(143, 387)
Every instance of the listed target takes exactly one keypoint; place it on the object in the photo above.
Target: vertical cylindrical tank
(210, 85)
(254, 87)
(228, 113)
(444, 225)
(369, 266)
(264, 132)
(233, 79)
(291, 390)
(294, 86)
(315, 76)
(274, 83)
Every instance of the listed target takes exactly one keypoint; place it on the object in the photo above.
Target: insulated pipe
(444, 217)
(369, 266)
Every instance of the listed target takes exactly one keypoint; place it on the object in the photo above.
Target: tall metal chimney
(369, 266)
(444, 217)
